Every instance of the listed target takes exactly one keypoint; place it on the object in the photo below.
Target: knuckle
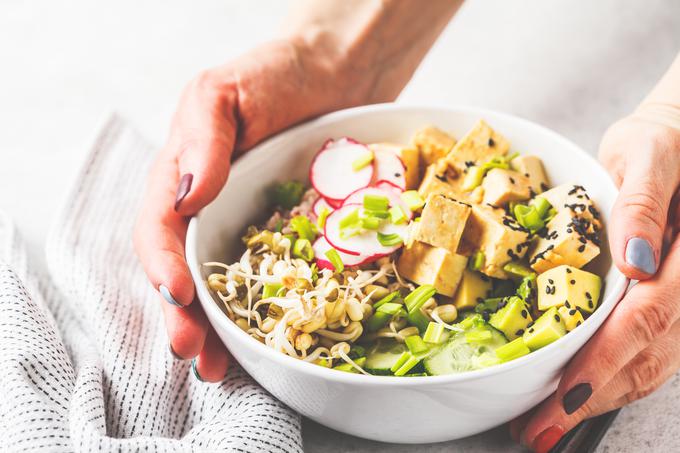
(651, 321)
(645, 204)
(645, 372)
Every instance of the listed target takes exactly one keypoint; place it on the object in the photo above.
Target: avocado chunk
(572, 317)
(568, 286)
(547, 328)
(473, 289)
(512, 319)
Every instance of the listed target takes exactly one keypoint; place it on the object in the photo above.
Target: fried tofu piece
(436, 182)
(532, 168)
(479, 145)
(410, 158)
(566, 241)
(503, 186)
(442, 222)
(497, 235)
(426, 265)
(432, 144)
(573, 197)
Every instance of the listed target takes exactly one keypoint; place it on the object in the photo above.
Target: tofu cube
(426, 265)
(473, 289)
(442, 222)
(532, 168)
(498, 236)
(438, 182)
(479, 145)
(566, 241)
(569, 287)
(432, 144)
(503, 186)
(574, 198)
(409, 156)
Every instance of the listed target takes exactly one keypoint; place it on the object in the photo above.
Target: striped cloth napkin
(84, 354)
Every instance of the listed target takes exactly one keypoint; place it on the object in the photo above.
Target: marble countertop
(571, 66)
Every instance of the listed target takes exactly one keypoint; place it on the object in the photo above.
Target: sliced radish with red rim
(319, 205)
(331, 172)
(365, 243)
(321, 246)
(389, 167)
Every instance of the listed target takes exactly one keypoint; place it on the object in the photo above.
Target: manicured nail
(195, 370)
(165, 292)
(174, 354)
(640, 255)
(547, 439)
(183, 188)
(575, 397)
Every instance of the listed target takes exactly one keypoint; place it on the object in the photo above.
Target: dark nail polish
(195, 371)
(183, 188)
(547, 439)
(640, 255)
(575, 397)
(165, 292)
(174, 354)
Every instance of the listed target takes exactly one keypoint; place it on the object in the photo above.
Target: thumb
(639, 215)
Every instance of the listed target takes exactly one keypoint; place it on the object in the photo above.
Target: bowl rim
(215, 315)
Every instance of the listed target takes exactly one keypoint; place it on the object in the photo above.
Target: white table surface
(574, 66)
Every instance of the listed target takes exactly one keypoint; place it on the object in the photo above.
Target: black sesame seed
(568, 271)
(569, 230)
(590, 304)
(397, 175)
(530, 324)
(567, 304)
(519, 332)
(531, 330)
(547, 290)
(578, 323)
(572, 312)
(573, 282)
(544, 187)
(512, 180)
(524, 314)
(551, 281)
(480, 300)
(557, 318)
(588, 296)
(527, 175)
(491, 142)
(582, 248)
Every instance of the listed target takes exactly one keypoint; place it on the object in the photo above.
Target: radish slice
(389, 167)
(331, 172)
(319, 206)
(385, 189)
(321, 246)
(366, 243)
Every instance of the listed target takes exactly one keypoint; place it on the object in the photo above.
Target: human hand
(638, 347)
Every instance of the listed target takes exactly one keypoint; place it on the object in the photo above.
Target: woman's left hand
(638, 347)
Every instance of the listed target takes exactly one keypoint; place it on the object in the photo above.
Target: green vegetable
(419, 296)
(335, 260)
(389, 298)
(412, 199)
(376, 203)
(490, 305)
(362, 161)
(400, 361)
(388, 240)
(418, 319)
(323, 215)
(356, 352)
(416, 345)
(435, 333)
(370, 223)
(303, 249)
(473, 178)
(476, 336)
(348, 367)
(477, 261)
(382, 316)
(270, 290)
(287, 194)
(527, 289)
(383, 355)
(303, 227)
(351, 220)
(518, 269)
(397, 215)
(407, 366)
(378, 214)
(516, 348)
(528, 217)
(542, 206)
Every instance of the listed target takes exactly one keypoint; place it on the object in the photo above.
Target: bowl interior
(218, 228)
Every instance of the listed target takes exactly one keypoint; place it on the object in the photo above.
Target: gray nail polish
(195, 371)
(640, 255)
(165, 292)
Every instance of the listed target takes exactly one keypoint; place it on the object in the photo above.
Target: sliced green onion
(419, 296)
(513, 350)
(416, 345)
(490, 305)
(376, 202)
(397, 215)
(435, 333)
(270, 290)
(335, 260)
(509, 158)
(303, 249)
(303, 227)
(323, 215)
(350, 220)
(518, 269)
(348, 367)
(389, 298)
(542, 206)
(412, 199)
(527, 289)
(406, 367)
(400, 361)
(363, 161)
(473, 178)
(476, 336)
(370, 223)
(378, 214)
(389, 240)
(469, 321)
(528, 217)
(552, 212)
(287, 194)
(382, 316)
(418, 319)
(477, 261)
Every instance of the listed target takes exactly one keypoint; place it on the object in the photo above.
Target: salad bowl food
(408, 288)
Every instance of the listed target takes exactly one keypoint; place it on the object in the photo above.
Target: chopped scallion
(400, 361)
(418, 319)
(513, 350)
(436, 333)
(303, 227)
(334, 257)
(389, 240)
(406, 367)
(376, 202)
(323, 215)
(370, 223)
(389, 298)
(382, 316)
(528, 217)
(475, 336)
(477, 261)
(473, 178)
(518, 269)
(378, 214)
(362, 161)
(413, 200)
(416, 345)
(397, 215)
(270, 290)
(303, 249)
(542, 206)
(419, 296)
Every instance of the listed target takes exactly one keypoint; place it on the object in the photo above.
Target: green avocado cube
(564, 284)
(512, 319)
(547, 328)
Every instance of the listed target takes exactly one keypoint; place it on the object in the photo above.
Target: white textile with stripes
(83, 352)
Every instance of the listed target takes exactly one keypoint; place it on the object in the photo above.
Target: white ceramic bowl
(391, 409)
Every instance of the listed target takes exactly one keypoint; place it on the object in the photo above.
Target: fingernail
(165, 292)
(640, 255)
(183, 188)
(195, 370)
(575, 397)
(547, 439)
(174, 354)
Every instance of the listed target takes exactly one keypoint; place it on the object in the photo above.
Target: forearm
(662, 105)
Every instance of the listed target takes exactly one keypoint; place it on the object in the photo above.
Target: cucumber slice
(381, 357)
(458, 355)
